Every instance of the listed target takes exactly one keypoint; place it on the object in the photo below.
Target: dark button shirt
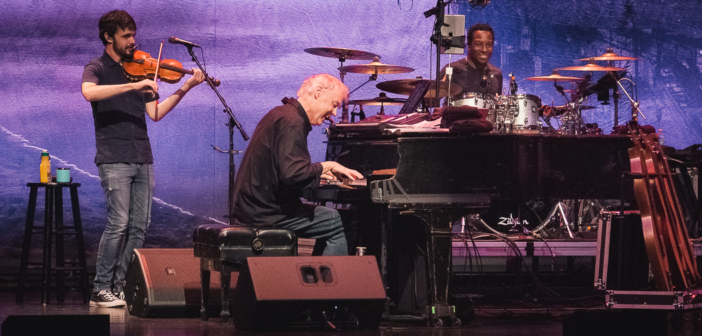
(120, 121)
(469, 78)
(276, 168)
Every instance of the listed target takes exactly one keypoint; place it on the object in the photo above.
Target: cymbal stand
(231, 124)
(635, 111)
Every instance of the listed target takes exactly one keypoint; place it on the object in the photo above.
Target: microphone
(188, 44)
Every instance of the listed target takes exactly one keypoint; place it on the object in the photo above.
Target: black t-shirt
(470, 79)
(120, 121)
(276, 168)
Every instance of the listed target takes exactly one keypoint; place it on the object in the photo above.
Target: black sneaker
(119, 295)
(106, 299)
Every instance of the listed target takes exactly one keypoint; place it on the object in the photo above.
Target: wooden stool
(224, 249)
(53, 225)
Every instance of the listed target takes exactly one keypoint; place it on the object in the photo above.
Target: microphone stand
(437, 37)
(231, 124)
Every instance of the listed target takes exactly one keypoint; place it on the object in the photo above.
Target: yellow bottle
(45, 168)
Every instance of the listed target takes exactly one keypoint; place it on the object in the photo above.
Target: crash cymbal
(406, 87)
(375, 67)
(591, 66)
(380, 100)
(342, 54)
(610, 56)
(555, 76)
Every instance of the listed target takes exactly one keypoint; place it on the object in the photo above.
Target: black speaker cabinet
(166, 283)
(51, 325)
(274, 292)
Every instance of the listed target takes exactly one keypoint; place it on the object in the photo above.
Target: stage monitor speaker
(166, 283)
(51, 325)
(274, 292)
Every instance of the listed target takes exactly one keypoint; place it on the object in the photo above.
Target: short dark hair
(113, 20)
(482, 27)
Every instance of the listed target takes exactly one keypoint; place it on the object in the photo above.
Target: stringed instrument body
(667, 244)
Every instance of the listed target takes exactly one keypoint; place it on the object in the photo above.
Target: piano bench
(224, 249)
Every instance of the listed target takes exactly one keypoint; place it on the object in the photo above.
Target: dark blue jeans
(129, 190)
(322, 224)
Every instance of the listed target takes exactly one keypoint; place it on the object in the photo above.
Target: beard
(125, 52)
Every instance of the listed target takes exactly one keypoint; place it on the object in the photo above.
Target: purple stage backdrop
(256, 49)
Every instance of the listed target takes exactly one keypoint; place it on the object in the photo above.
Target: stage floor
(518, 319)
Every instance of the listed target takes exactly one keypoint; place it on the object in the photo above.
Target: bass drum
(528, 107)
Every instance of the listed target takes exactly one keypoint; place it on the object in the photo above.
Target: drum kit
(513, 113)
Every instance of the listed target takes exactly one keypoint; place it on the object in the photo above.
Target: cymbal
(610, 56)
(592, 66)
(406, 87)
(342, 53)
(375, 67)
(555, 76)
(582, 107)
(380, 100)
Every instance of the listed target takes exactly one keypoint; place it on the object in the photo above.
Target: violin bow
(158, 66)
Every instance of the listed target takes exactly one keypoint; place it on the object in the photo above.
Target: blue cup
(63, 175)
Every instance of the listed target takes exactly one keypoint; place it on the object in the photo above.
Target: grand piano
(441, 177)
(438, 177)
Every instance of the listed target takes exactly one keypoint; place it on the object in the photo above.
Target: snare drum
(474, 99)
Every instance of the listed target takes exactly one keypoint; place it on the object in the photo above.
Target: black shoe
(119, 294)
(106, 299)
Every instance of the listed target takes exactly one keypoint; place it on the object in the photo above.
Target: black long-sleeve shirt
(276, 168)
(469, 78)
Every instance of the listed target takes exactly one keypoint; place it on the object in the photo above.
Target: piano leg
(438, 222)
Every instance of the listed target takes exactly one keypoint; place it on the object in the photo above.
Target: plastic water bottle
(45, 167)
(661, 138)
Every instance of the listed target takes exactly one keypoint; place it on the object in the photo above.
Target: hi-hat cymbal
(592, 66)
(380, 100)
(406, 87)
(610, 56)
(555, 76)
(342, 54)
(582, 107)
(375, 67)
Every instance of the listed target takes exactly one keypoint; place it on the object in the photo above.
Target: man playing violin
(123, 157)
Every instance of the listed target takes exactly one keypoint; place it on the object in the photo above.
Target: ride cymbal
(375, 67)
(555, 76)
(406, 87)
(610, 56)
(342, 54)
(592, 66)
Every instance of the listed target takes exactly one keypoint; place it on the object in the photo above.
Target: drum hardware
(381, 101)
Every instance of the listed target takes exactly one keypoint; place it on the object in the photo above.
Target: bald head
(320, 95)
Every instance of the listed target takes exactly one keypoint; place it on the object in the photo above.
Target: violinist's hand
(195, 80)
(146, 85)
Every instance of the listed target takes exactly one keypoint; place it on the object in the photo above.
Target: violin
(143, 66)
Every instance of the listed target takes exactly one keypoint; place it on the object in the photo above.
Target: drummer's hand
(546, 110)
